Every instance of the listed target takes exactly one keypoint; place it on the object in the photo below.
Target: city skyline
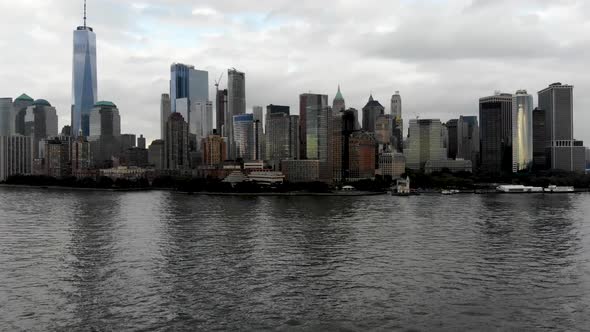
(134, 62)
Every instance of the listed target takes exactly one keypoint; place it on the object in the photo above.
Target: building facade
(425, 143)
(468, 139)
(371, 112)
(339, 104)
(319, 135)
(157, 155)
(301, 170)
(214, 150)
(6, 117)
(57, 158)
(362, 155)
(539, 140)
(452, 138)
(40, 123)
(495, 131)
(392, 164)
(105, 134)
(247, 137)
(84, 79)
(165, 110)
(522, 131)
(282, 137)
(16, 156)
(308, 102)
(176, 149)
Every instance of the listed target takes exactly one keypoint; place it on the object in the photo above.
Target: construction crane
(218, 81)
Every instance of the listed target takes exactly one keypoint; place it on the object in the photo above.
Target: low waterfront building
(267, 178)
(301, 170)
(453, 166)
(126, 172)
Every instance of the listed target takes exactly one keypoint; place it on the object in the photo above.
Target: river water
(160, 261)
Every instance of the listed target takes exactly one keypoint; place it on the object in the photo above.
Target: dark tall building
(176, 143)
(563, 154)
(221, 107)
(495, 114)
(453, 139)
(371, 112)
(127, 141)
(539, 142)
(307, 102)
(468, 140)
(274, 109)
(141, 142)
(344, 126)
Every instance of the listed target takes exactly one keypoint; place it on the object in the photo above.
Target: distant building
(176, 143)
(267, 178)
(247, 137)
(236, 105)
(220, 112)
(214, 150)
(128, 141)
(165, 110)
(557, 101)
(141, 142)
(6, 117)
(201, 120)
(19, 108)
(344, 125)
(468, 139)
(362, 154)
(301, 170)
(258, 113)
(80, 156)
(522, 131)
(371, 112)
(157, 155)
(495, 131)
(425, 143)
(187, 83)
(318, 129)
(282, 137)
(40, 123)
(587, 158)
(16, 156)
(398, 122)
(452, 138)
(539, 140)
(308, 102)
(84, 79)
(130, 173)
(453, 166)
(392, 164)
(105, 134)
(66, 131)
(135, 157)
(338, 105)
(383, 129)
(57, 158)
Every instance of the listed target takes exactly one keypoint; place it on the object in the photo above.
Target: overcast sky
(442, 55)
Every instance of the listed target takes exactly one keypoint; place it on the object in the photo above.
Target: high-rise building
(80, 155)
(19, 108)
(221, 110)
(383, 129)
(319, 133)
(425, 143)
(157, 155)
(539, 140)
(338, 105)
(141, 142)
(187, 85)
(371, 112)
(344, 125)
(165, 110)
(128, 141)
(452, 138)
(57, 158)
(398, 122)
(557, 101)
(40, 123)
(468, 139)
(16, 156)
(522, 131)
(84, 81)
(236, 104)
(495, 132)
(105, 134)
(307, 102)
(214, 150)
(176, 143)
(247, 137)
(6, 117)
(396, 105)
(392, 164)
(282, 137)
(362, 156)
(201, 120)
(258, 113)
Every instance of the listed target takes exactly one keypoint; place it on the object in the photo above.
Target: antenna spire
(84, 13)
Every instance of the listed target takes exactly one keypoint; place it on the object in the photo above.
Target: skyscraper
(105, 133)
(247, 137)
(557, 101)
(141, 142)
(40, 123)
(495, 132)
(220, 111)
(157, 155)
(188, 83)
(165, 110)
(383, 129)
(371, 112)
(452, 141)
(6, 117)
(176, 143)
(201, 120)
(307, 102)
(214, 150)
(344, 125)
(522, 131)
(339, 104)
(318, 128)
(362, 156)
(258, 113)
(396, 105)
(425, 143)
(19, 108)
(539, 140)
(282, 137)
(236, 104)
(84, 86)
(468, 140)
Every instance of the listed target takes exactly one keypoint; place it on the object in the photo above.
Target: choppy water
(164, 261)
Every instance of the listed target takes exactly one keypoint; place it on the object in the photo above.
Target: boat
(450, 192)
(402, 188)
(558, 190)
(518, 189)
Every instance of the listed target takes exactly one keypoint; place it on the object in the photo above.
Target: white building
(16, 156)
(522, 131)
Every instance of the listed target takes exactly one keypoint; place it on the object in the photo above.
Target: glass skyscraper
(84, 87)
(522, 131)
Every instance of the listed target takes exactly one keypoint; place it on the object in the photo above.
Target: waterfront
(166, 261)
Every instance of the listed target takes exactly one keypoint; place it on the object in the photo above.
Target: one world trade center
(84, 90)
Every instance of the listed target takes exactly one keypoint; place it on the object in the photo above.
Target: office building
(157, 155)
(40, 123)
(141, 142)
(247, 137)
(282, 137)
(522, 131)
(297, 171)
(448, 165)
(468, 139)
(425, 143)
(398, 122)
(307, 102)
(392, 164)
(214, 150)
(165, 110)
(84, 79)
(176, 143)
(201, 120)
(396, 105)
(383, 129)
(105, 134)
(318, 130)
(135, 157)
(258, 114)
(187, 85)
(128, 141)
(16, 156)
(236, 105)
(557, 101)
(539, 140)
(57, 158)
(6, 117)
(372, 110)
(220, 111)
(344, 125)
(362, 155)
(495, 132)
(338, 105)
(19, 108)
(452, 138)
(80, 156)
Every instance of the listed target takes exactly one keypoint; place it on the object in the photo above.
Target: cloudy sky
(441, 54)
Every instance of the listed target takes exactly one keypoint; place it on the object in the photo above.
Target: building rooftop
(41, 102)
(104, 104)
(339, 95)
(24, 97)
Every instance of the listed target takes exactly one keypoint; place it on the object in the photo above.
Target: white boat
(518, 189)
(556, 189)
(449, 192)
